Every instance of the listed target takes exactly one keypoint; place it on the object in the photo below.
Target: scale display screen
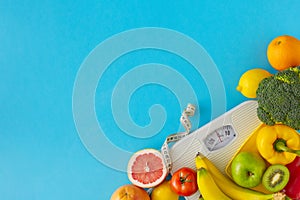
(220, 137)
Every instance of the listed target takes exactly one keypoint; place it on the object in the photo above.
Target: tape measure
(186, 123)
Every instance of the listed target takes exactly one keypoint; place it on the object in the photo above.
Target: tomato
(184, 181)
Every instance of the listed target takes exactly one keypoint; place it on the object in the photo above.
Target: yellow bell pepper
(277, 144)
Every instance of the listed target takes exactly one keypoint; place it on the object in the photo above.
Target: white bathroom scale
(219, 140)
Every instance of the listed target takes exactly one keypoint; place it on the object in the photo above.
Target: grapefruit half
(146, 168)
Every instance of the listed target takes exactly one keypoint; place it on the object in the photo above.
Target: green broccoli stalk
(278, 98)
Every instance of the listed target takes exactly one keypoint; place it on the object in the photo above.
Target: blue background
(43, 44)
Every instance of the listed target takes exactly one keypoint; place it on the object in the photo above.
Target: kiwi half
(275, 177)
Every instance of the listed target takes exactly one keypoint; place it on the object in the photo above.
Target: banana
(207, 186)
(229, 187)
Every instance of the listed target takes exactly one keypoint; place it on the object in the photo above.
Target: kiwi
(275, 177)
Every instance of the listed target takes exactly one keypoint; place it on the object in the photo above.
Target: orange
(130, 192)
(284, 52)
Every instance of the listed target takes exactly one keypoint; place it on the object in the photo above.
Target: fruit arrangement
(277, 141)
(267, 165)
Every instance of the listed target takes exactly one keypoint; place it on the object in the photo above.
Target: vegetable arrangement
(278, 98)
(271, 171)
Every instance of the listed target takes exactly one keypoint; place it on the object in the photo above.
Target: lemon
(163, 191)
(250, 80)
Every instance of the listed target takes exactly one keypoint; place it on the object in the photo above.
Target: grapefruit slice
(146, 168)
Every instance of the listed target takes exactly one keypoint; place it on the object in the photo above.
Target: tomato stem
(184, 179)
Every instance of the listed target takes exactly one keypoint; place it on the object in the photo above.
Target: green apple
(247, 169)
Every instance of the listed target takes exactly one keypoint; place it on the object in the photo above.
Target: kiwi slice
(275, 177)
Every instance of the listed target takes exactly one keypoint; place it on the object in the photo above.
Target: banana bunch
(214, 185)
(205, 178)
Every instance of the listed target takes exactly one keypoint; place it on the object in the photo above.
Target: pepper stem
(280, 146)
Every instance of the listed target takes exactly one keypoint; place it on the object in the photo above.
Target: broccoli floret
(278, 98)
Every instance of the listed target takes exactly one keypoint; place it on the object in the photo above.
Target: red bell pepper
(292, 189)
